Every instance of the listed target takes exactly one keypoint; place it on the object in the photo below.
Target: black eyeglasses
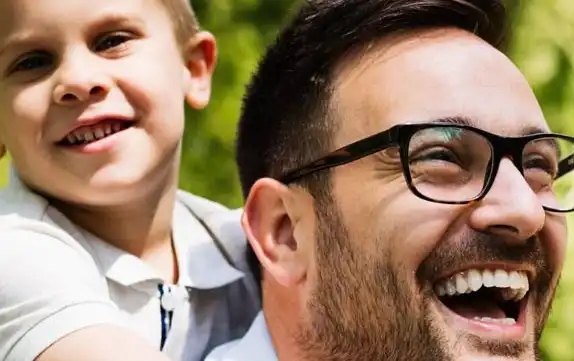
(456, 164)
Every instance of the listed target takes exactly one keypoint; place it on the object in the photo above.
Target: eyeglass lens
(452, 164)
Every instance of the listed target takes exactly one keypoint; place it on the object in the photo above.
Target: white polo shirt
(56, 278)
(256, 345)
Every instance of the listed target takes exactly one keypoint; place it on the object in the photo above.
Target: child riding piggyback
(101, 256)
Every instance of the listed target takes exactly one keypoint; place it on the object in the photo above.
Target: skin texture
(64, 61)
(349, 275)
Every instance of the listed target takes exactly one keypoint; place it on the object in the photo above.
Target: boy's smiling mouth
(95, 130)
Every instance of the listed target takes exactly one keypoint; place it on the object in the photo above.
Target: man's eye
(540, 163)
(30, 62)
(111, 41)
(435, 155)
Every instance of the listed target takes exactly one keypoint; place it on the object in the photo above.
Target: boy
(101, 258)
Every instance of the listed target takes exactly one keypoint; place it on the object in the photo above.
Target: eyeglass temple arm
(565, 166)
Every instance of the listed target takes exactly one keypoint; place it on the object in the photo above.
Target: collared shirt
(56, 278)
(256, 345)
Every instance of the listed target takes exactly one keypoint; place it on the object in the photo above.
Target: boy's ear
(200, 56)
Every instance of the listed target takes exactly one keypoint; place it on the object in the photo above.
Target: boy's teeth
(515, 284)
(96, 132)
(504, 321)
(99, 133)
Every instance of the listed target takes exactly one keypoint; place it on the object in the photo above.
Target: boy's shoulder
(16, 202)
(26, 214)
(223, 225)
(21, 209)
(225, 222)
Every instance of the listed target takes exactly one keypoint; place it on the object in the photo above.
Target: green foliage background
(543, 34)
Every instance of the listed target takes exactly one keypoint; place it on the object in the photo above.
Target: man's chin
(479, 338)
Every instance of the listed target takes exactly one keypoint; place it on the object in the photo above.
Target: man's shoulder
(256, 345)
(224, 352)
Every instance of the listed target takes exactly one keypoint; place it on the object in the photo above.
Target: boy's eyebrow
(12, 39)
(117, 19)
(105, 20)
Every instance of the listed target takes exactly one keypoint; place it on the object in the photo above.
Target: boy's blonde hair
(184, 21)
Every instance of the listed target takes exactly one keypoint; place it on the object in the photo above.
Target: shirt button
(168, 300)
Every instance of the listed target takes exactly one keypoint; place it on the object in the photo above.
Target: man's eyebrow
(467, 121)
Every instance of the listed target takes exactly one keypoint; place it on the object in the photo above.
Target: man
(405, 198)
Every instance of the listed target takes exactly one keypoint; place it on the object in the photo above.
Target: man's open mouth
(93, 133)
(489, 295)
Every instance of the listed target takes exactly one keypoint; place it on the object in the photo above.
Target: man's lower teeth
(503, 321)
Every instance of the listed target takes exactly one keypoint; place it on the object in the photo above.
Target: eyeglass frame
(400, 136)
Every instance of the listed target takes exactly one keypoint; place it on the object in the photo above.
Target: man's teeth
(504, 321)
(514, 284)
(96, 132)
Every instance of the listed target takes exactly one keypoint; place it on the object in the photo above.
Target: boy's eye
(111, 41)
(31, 61)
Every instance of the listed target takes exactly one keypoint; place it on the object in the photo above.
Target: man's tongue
(470, 307)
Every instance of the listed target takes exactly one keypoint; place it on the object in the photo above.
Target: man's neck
(283, 323)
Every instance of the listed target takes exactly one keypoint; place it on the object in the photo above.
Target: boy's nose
(79, 85)
(71, 95)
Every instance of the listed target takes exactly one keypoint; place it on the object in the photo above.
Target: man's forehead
(428, 76)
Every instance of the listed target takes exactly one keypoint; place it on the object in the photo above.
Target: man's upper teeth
(515, 284)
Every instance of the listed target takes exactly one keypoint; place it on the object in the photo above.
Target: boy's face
(92, 95)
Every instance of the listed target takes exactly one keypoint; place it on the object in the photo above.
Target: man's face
(383, 255)
(91, 96)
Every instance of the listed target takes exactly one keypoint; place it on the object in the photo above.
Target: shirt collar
(201, 264)
(256, 345)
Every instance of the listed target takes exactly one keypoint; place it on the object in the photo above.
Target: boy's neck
(141, 228)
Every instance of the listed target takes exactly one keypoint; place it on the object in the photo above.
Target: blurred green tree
(543, 31)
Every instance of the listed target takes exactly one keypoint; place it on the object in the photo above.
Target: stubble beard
(359, 312)
(361, 309)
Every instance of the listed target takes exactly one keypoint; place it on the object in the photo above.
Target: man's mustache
(481, 248)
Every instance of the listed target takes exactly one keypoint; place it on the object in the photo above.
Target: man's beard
(362, 308)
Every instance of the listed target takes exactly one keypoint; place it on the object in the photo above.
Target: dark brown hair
(284, 121)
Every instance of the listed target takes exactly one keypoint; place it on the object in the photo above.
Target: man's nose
(511, 207)
(79, 80)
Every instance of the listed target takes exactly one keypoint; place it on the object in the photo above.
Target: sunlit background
(542, 45)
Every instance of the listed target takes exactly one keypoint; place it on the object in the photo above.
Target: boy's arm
(53, 307)
(101, 343)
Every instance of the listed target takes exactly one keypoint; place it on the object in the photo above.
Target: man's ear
(269, 220)
(200, 55)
